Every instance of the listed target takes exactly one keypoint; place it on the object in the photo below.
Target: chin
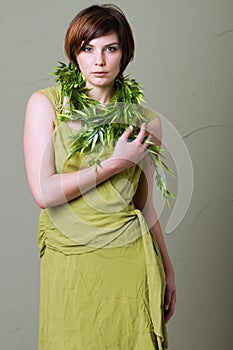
(103, 83)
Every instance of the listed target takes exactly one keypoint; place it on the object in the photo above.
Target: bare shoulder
(40, 107)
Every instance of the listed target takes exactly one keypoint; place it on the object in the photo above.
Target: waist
(64, 230)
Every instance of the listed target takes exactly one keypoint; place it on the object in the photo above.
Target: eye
(87, 49)
(111, 49)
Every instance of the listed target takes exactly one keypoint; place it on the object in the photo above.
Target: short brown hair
(96, 21)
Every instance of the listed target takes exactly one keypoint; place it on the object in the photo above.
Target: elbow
(47, 195)
(43, 194)
(40, 200)
(41, 204)
(47, 201)
(44, 205)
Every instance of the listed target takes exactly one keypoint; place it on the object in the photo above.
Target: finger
(168, 316)
(142, 134)
(169, 313)
(153, 140)
(149, 138)
(167, 300)
(126, 134)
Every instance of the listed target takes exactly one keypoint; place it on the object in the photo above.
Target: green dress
(102, 277)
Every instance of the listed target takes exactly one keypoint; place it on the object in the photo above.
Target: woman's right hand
(50, 188)
(127, 153)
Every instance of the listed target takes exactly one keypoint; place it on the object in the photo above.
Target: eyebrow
(115, 43)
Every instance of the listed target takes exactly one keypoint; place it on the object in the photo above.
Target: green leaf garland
(103, 125)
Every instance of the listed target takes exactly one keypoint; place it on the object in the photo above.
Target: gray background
(184, 60)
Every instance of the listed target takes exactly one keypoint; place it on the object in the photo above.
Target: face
(99, 61)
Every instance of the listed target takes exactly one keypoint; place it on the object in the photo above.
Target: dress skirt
(96, 301)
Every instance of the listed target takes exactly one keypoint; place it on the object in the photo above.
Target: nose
(99, 58)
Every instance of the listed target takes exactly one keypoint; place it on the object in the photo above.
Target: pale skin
(99, 63)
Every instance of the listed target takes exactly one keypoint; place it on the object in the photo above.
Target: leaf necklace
(103, 124)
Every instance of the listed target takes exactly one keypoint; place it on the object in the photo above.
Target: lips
(100, 74)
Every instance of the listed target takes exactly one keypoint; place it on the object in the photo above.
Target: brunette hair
(96, 21)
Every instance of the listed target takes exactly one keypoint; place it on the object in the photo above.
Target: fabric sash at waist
(64, 230)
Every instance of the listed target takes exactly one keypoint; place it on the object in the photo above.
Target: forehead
(110, 38)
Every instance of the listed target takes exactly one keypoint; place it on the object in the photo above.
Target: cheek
(120, 61)
(81, 61)
(117, 62)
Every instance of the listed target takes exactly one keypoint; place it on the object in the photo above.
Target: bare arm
(49, 188)
(144, 201)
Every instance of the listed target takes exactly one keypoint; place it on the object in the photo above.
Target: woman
(106, 278)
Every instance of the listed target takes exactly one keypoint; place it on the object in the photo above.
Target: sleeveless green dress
(102, 277)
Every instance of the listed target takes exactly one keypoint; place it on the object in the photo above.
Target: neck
(101, 94)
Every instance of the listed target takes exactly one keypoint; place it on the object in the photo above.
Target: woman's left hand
(170, 297)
